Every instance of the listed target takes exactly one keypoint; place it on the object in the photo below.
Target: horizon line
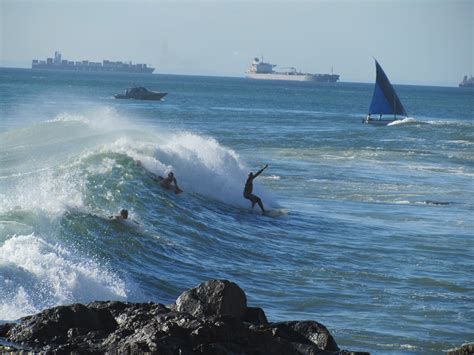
(237, 77)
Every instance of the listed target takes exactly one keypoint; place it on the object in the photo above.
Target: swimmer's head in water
(124, 213)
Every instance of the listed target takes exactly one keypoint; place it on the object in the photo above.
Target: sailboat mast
(394, 106)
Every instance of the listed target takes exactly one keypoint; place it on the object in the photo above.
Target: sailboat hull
(377, 122)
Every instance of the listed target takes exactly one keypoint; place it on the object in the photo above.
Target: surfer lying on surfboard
(123, 215)
(249, 188)
(168, 183)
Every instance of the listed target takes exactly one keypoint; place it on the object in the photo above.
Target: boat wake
(407, 120)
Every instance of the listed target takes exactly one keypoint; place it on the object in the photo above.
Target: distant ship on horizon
(57, 63)
(467, 82)
(261, 70)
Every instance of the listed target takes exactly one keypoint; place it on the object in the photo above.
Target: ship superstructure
(261, 70)
(467, 82)
(57, 63)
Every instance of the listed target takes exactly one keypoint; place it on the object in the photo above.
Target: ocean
(377, 243)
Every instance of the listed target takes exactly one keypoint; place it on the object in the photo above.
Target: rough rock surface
(212, 318)
(212, 298)
(464, 349)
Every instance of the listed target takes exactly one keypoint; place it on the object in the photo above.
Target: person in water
(249, 188)
(123, 215)
(168, 182)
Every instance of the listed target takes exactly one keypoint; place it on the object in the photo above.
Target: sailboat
(384, 101)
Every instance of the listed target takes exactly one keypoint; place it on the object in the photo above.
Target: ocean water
(378, 240)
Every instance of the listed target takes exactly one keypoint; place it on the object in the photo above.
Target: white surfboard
(277, 212)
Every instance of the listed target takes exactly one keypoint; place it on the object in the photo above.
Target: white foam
(35, 274)
(399, 346)
(200, 164)
(104, 118)
(271, 177)
(400, 202)
(68, 117)
(460, 141)
(208, 168)
(48, 190)
(407, 120)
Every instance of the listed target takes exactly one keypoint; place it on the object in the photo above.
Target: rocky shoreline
(211, 318)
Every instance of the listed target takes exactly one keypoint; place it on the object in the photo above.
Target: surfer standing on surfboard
(249, 188)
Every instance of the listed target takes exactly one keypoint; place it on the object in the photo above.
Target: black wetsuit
(248, 191)
(166, 182)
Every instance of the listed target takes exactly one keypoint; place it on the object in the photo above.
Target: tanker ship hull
(320, 78)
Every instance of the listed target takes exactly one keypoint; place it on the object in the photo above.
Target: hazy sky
(416, 42)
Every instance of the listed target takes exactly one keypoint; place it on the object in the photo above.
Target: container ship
(57, 63)
(264, 71)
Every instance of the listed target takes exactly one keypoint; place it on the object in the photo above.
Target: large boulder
(60, 323)
(212, 318)
(214, 297)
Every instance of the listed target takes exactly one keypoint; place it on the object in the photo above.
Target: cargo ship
(264, 71)
(57, 63)
(467, 82)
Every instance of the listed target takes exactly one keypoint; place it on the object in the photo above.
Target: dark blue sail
(385, 99)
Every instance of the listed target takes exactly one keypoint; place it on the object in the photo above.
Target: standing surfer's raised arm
(260, 171)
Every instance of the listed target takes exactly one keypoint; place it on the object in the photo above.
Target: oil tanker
(264, 71)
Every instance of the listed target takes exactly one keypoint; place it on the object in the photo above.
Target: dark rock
(211, 318)
(213, 297)
(255, 315)
(53, 325)
(307, 337)
(4, 328)
(464, 349)
(312, 331)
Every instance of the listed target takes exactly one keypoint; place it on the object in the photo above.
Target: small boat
(384, 101)
(141, 93)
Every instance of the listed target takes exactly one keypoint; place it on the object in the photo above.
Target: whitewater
(377, 243)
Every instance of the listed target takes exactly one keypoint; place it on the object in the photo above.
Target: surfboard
(277, 212)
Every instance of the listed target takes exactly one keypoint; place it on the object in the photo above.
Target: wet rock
(255, 315)
(57, 324)
(212, 318)
(464, 349)
(307, 332)
(213, 297)
(4, 328)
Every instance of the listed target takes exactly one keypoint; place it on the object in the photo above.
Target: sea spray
(35, 274)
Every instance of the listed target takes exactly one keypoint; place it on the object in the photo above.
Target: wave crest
(35, 274)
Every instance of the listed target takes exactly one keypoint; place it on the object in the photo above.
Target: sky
(425, 42)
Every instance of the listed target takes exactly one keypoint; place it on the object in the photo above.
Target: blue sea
(377, 242)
